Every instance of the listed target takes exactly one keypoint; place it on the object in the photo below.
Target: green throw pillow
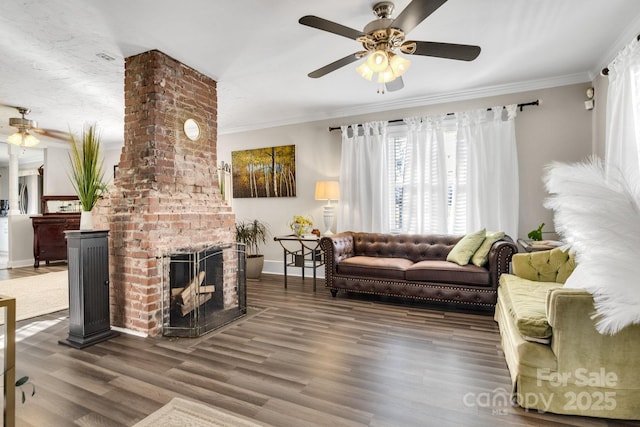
(466, 247)
(481, 256)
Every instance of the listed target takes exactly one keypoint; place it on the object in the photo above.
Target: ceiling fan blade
(334, 66)
(332, 27)
(395, 84)
(51, 133)
(415, 12)
(15, 107)
(462, 52)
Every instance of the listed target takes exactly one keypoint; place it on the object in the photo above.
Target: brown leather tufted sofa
(413, 266)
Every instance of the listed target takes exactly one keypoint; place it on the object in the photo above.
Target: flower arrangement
(300, 224)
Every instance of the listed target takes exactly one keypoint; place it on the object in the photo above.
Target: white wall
(4, 183)
(20, 241)
(57, 168)
(560, 129)
(110, 158)
(56, 173)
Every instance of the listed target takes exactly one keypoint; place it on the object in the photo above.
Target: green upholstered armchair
(557, 359)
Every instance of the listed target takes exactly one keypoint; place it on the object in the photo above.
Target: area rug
(181, 412)
(37, 295)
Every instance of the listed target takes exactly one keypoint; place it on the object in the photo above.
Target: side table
(301, 251)
(535, 246)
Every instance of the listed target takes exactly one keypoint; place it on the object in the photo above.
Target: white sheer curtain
(363, 183)
(486, 190)
(424, 195)
(623, 114)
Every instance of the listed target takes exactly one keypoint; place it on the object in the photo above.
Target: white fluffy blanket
(600, 219)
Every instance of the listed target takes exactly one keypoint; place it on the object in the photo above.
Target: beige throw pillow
(466, 247)
(481, 256)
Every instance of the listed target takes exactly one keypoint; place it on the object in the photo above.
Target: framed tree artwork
(264, 172)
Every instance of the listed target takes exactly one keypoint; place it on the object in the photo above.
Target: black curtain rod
(605, 70)
(520, 106)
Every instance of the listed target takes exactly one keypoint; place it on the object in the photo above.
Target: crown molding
(421, 101)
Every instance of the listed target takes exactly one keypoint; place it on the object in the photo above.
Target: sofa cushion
(481, 256)
(448, 272)
(414, 247)
(378, 267)
(553, 265)
(466, 247)
(527, 302)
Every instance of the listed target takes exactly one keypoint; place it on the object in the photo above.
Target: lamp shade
(23, 138)
(378, 61)
(365, 71)
(398, 64)
(386, 76)
(327, 190)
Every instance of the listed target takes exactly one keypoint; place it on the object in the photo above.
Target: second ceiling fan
(25, 127)
(383, 37)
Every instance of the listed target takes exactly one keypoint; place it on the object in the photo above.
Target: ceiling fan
(382, 37)
(23, 137)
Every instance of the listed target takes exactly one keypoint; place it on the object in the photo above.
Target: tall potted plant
(87, 174)
(252, 234)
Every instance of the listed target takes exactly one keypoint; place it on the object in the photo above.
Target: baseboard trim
(20, 263)
(277, 267)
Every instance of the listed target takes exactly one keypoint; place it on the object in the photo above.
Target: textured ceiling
(260, 55)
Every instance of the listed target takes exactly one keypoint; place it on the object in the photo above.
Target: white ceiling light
(23, 138)
(387, 64)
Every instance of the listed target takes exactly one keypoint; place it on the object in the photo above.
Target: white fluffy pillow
(600, 219)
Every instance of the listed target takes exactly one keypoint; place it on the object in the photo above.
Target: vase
(86, 220)
(255, 264)
(300, 229)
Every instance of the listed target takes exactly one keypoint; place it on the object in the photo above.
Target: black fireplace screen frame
(200, 288)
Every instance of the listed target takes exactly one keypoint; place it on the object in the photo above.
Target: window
(399, 183)
(435, 174)
(396, 179)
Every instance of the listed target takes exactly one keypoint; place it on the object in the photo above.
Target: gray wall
(601, 86)
(558, 130)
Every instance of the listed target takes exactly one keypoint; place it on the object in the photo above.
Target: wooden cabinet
(49, 243)
(60, 214)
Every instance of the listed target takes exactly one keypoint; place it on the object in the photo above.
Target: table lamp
(327, 190)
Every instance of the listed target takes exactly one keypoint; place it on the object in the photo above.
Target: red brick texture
(165, 196)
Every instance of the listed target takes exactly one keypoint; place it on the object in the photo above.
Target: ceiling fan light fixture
(398, 64)
(365, 71)
(386, 76)
(23, 138)
(378, 61)
(382, 37)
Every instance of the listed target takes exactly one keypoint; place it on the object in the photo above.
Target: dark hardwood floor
(298, 359)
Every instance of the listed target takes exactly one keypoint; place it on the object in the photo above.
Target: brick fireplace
(165, 196)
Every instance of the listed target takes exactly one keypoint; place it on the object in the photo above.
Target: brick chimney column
(165, 195)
